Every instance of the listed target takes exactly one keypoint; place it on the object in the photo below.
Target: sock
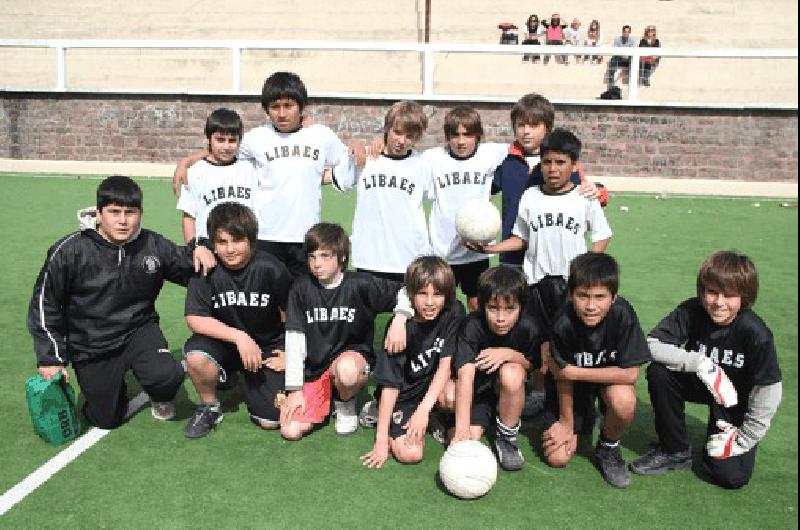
(605, 442)
(505, 430)
(213, 404)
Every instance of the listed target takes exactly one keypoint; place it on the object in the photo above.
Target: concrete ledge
(614, 184)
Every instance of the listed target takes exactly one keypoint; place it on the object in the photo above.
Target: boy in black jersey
(329, 333)
(235, 314)
(411, 382)
(497, 346)
(597, 347)
(713, 349)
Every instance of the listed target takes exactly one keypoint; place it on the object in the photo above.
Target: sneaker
(534, 404)
(368, 417)
(508, 453)
(657, 461)
(163, 410)
(205, 418)
(346, 416)
(611, 465)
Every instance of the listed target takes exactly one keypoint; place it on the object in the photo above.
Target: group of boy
(279, 305)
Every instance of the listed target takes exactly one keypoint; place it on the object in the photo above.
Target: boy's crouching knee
(292, 431)
(558, 459)
(407, 455)
(512, 377)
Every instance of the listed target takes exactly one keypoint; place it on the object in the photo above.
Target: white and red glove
(717, 382)
(724, 444)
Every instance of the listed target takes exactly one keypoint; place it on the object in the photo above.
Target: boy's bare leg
(349, 372)
(204, 375)
(511, 390)
(407, 451)
(620, 403)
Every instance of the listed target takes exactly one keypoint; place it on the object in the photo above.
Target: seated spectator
(648, 63)
(532, 35)
(619, 61)
(593, 39)
(555, 36)
(574, 37)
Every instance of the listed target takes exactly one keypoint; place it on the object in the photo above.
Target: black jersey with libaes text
(525, 337)
(248, 299)
(744, 349)
(338, 319)
(618, 340)
(411, 371)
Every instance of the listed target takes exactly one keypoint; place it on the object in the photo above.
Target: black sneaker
(534, 404)
(508, 453)
(611, 465)
(657, 461)
(205, 418)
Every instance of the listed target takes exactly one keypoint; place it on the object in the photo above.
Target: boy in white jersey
(290, 161)
(462, 170)
(217, 178)
(551, 226)
(389, 228)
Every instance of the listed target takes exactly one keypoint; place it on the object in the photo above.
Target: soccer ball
(478, 220)
(468, 469)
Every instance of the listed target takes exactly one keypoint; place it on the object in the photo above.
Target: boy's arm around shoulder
(180, 176)
(181, 263)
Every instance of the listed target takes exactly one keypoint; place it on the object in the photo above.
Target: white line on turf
(58, 462)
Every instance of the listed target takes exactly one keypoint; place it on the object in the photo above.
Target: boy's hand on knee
(416, 427)
(724, 444)
(491, 359)
(203, 259)
(379, 454)
(249, 352)
(295, 401)
(276, 362)
(717, 382)
(557, 436)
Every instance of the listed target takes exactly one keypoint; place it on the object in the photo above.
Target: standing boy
(235, 315)
(329, 334)
(597, 348)
(217, 178)
(290, 161)
(497, 345)
(715, 350)
(461, 171)
(93, 304)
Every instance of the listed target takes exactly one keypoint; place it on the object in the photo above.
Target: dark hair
(561, 141)
(592, 269)
(626, 27)
(502, 282)
(223, 121)
(284, 85)
(462, 115)
(432, 270)
(120, 191)
(530, 19)
(409, 115)
(730, 273)
(533, 109)
(236, 219)
(328, 236)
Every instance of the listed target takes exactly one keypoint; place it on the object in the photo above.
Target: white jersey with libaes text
(289, 168)
(555, 226)
(389, 224)
(211, 184)
(454, 181)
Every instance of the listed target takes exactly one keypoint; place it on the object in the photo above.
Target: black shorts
(290, 254)
(584, 411)
(102, 380)
(484, 410)
(548, 296)
(259, 388)
(394, 276)
(467, 276)
(400, 415)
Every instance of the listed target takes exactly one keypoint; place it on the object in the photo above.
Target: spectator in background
(619, 61)
(574, 37)
(648, 63)
(555, 36)
(533, 31)
(593, 39)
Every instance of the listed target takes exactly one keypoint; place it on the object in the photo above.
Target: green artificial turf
(147, 474)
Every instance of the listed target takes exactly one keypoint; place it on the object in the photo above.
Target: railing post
(427, 72)
(61, 61)
(633, 76)
(236, 69)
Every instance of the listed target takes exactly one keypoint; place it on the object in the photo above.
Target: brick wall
(756, 145)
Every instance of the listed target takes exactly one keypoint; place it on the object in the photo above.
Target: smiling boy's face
(592, 304)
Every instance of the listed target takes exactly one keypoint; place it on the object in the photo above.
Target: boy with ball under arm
(715, 350)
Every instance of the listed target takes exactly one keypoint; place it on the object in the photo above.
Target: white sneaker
(368, 417)
(162, 410)
(346, 416)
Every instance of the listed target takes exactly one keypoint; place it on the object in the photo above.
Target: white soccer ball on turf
(478, 220)
(468, 469)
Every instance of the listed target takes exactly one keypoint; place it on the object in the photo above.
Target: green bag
(52, 406)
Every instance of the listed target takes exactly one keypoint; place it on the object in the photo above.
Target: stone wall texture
(699, 143)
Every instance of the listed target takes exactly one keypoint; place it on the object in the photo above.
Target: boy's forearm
(610, 375)
(385, 409)
(511, 244)
(517, 357)
(565, 398)
(600, 246)
(188, 161)
(189, 228)
(464, 382)
(211, 327)
(295, 357)
(440, 379)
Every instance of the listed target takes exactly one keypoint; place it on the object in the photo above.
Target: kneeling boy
(597, 348)
(497, 346)
(713, 349)
(330, 322)
(235, 314)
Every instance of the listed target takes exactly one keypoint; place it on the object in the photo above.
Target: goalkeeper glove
(717, 382)
(724, 444)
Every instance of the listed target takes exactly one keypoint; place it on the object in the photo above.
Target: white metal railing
(426, 51)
